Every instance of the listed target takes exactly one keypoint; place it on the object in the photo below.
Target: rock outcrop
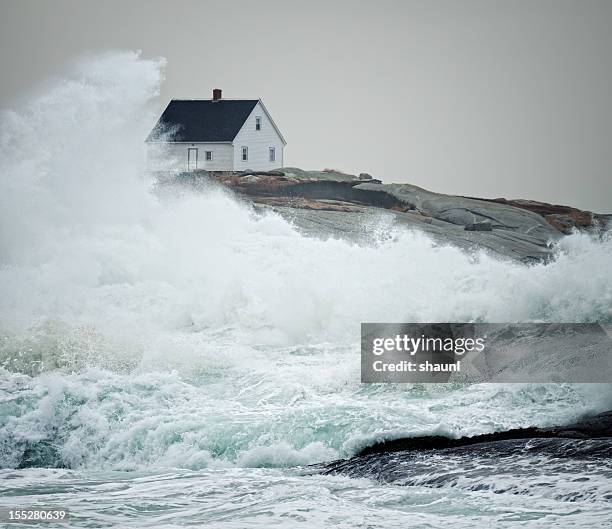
(564, 218)
(592, 427)
(331, 202)
(437, 461)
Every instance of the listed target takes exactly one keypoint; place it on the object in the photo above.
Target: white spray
(97, 272)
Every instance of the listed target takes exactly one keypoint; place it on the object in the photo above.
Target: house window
(208, 156)
(245, 154)
(258, 123)
(272, 154)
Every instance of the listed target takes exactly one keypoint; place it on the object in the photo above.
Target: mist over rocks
(333, 202)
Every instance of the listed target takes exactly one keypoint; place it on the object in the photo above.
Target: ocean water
(182, 360)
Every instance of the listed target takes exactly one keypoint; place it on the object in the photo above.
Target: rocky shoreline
(402, 460)
(592, 427)
(334, 202)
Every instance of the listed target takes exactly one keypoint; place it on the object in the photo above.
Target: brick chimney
(216, 94)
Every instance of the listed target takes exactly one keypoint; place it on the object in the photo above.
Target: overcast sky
(485, 98)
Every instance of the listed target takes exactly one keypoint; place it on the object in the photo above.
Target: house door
(192, 159)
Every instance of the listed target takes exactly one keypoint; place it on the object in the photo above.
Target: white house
(215, 135)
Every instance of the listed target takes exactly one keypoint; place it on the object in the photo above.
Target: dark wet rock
(590, 427)
(514, 466)
(436, 460)
(261, 173)
(307, 203)
(479, 226)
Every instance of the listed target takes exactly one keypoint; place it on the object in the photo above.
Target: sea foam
(140, 330)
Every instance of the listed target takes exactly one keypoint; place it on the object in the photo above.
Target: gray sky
(483, 98)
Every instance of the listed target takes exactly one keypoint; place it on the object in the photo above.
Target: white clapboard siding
(258, 143)
(173, 156)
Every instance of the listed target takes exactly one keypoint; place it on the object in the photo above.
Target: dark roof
(203, 120)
